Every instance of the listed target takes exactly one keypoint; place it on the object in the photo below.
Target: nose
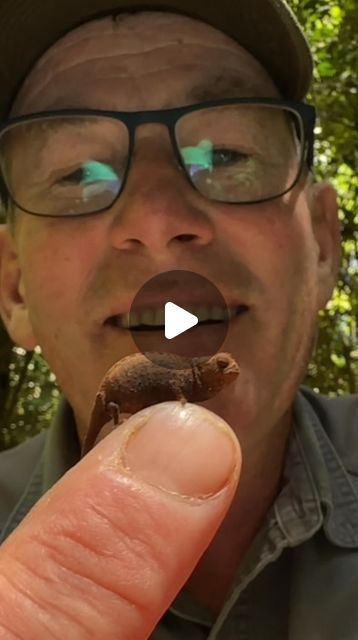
(158, 210)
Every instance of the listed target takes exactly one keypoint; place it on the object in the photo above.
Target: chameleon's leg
(177, 391)
(113, 409)
(179, 395)
(182, 400)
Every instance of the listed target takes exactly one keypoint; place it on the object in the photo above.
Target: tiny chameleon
(143, 379)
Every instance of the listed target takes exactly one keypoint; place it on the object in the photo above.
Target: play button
(179, 312)
(177, 320)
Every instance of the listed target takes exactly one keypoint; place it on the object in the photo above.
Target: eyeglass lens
(68, 165)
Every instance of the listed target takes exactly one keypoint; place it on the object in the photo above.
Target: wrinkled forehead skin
(139, 51)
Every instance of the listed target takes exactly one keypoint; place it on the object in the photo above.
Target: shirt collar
(334, 487)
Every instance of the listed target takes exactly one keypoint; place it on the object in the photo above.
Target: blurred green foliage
(331, 28)
(28, 392)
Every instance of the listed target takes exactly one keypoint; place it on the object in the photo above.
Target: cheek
(275, 242)
(55, 265)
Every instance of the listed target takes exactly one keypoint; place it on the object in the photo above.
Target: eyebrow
(221, 86)
(213, 88)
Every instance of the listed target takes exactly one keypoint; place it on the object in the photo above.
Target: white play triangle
(177, 320)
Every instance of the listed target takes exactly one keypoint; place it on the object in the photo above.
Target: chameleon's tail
(99, 417)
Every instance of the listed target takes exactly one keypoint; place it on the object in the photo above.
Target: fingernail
(184, 450)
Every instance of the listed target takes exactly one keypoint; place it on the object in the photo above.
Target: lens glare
(65, 166)
(240, 153)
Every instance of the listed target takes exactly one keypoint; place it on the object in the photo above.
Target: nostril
(186, 237)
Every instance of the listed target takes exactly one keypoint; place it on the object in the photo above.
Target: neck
(258, 488)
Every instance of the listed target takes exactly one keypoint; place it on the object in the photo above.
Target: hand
(105, 551)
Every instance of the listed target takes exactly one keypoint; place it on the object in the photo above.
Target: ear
(13, 307)
(326, 230)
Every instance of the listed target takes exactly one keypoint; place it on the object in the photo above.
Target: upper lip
(159, 301)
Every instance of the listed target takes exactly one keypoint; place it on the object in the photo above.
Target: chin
(234, 403)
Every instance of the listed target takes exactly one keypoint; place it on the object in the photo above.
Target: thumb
(105, 551)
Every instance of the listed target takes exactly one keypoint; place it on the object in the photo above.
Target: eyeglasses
(76, 162)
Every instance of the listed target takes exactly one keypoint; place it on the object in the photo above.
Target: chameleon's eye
(222, 361)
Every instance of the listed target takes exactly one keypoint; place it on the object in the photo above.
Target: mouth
(153, 318)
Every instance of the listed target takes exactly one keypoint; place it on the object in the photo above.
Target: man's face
(66, 276)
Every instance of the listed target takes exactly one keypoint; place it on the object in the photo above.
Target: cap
(268, 29)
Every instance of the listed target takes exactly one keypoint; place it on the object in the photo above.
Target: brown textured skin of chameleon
(143, 379)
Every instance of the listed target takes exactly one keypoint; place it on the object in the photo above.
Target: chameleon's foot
(113, 409)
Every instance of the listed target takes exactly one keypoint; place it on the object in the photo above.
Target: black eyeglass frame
(169, 117)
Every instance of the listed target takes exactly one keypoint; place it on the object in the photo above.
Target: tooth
(124, 321)
(159, 316)
(217, 313)
(202, 312)
(134, 319)
(192, 308)
(146, 317)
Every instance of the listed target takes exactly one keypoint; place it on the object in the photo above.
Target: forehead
(142, 60)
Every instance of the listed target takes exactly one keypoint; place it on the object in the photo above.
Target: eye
(206, 157)
(226, 157)
(75, 177)
(222, 361)
(91, 171)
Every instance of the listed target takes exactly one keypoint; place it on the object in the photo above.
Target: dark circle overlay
(189, 291)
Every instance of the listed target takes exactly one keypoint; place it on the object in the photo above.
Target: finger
(105, 551)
